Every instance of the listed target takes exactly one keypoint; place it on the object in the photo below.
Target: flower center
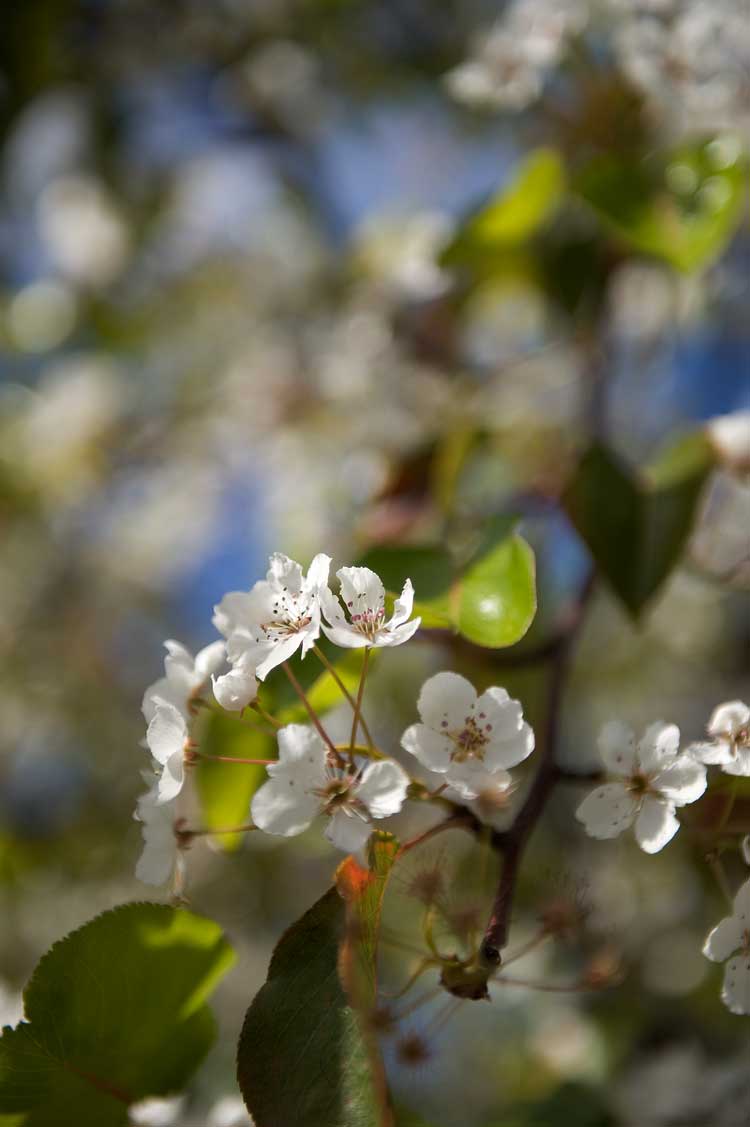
(639, 784)
(368, 622)
(470, 740)
(290, 615)
(337, 795)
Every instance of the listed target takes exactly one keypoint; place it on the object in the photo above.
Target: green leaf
(304, 1057)
(492, 602)
(636, 525)
(114, 1013)
(682, 208)
(512, 216)
(225, 790)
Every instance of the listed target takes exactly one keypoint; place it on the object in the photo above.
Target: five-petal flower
(363, 595)
(303, 784)
(653, 779)
(166, 738)
(185, 676)
(730, 942)
(281, 614)
(729, 746)
(467, 739)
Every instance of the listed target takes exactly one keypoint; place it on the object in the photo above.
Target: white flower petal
(383, 787)
(739, 764)
(282, 806)
(682, 782)
(729, 718)
(616, 745)
(432, 749)
(317, 573)
(172, 778)
(445, 701)
(278, 654)
(404, 605)
(735, 992)
(180, 654)
(345, 636)
(504, 715)
(470, 778)
(167, 732)
(346, 832)
(723, 940)
(745, 849)
(742, 904)
(210, 659)
(655, 825)
(302, 754)
(607, 811)
(717, 752)
(235, 690)
(234, 610)
(163, 689)
(396, 635)
(361, 590)
(511, 751)
(658, 746)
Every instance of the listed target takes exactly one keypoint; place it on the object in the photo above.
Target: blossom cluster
(465, 742)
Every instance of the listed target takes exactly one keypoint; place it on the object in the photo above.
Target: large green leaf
(114, 1013)
(512, 216)
(682, 208)
(304, 1056)
(224, 790)
(636, 525)
(491, 601)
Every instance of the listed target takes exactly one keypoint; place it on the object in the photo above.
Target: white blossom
(235, 689)
(156, 1111)
(280, 615)
(730, 437)
(160, 852)
(304, 784)
(730, 942)
(363, 595)
(729, 746)
(653, 778)
(166, 737)
(184, 676)
(471, 741)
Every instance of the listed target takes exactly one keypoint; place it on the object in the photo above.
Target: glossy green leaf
(682, 209)
(115, 1012)
(225, 790)
(636, 525)
(512, 216)
(303, 1056)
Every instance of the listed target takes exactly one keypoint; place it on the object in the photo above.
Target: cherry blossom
(303, 785)
(160, 852)
(363, 595)
(471, 741)
(166, 737)
(653, 778)
(281, 614)
(730, 942)
(185, 676)
(729, 746)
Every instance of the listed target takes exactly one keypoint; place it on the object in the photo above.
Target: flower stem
(222, 830)
(358, 702)
(233, 759)
(342, 687)
(258, 707)
(310, 711)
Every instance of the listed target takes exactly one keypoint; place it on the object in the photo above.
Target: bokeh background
(240, 312)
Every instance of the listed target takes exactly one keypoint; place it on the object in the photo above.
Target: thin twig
(310, 711)
(358, 702)
(343, 689)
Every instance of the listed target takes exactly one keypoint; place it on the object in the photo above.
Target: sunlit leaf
(225, 790)
(115, 1012)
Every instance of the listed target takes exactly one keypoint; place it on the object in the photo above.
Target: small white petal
(432, 749)
(723, 940)
(172, 777)
(167, 731)
(745, 847)
(735, 992)
(511, 751)
(729, 718)
(283, 807)
(383, 787)
(347, 833)
(235, 690)
(317, 573)
(345, 636)
(607, 811)
(470, 778)
(739, 764)
(284, 572)
(501, 712)
(616, 745)
(682, 782)
(180, 654)
(279, 653)
(658, 746)
(210, 659)
(445, 701)
(655, 825)
(361, 590)
(397, 635)
(404, 605)
(742, 904)
(300, 746)
(718, 752)
(235, 609)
